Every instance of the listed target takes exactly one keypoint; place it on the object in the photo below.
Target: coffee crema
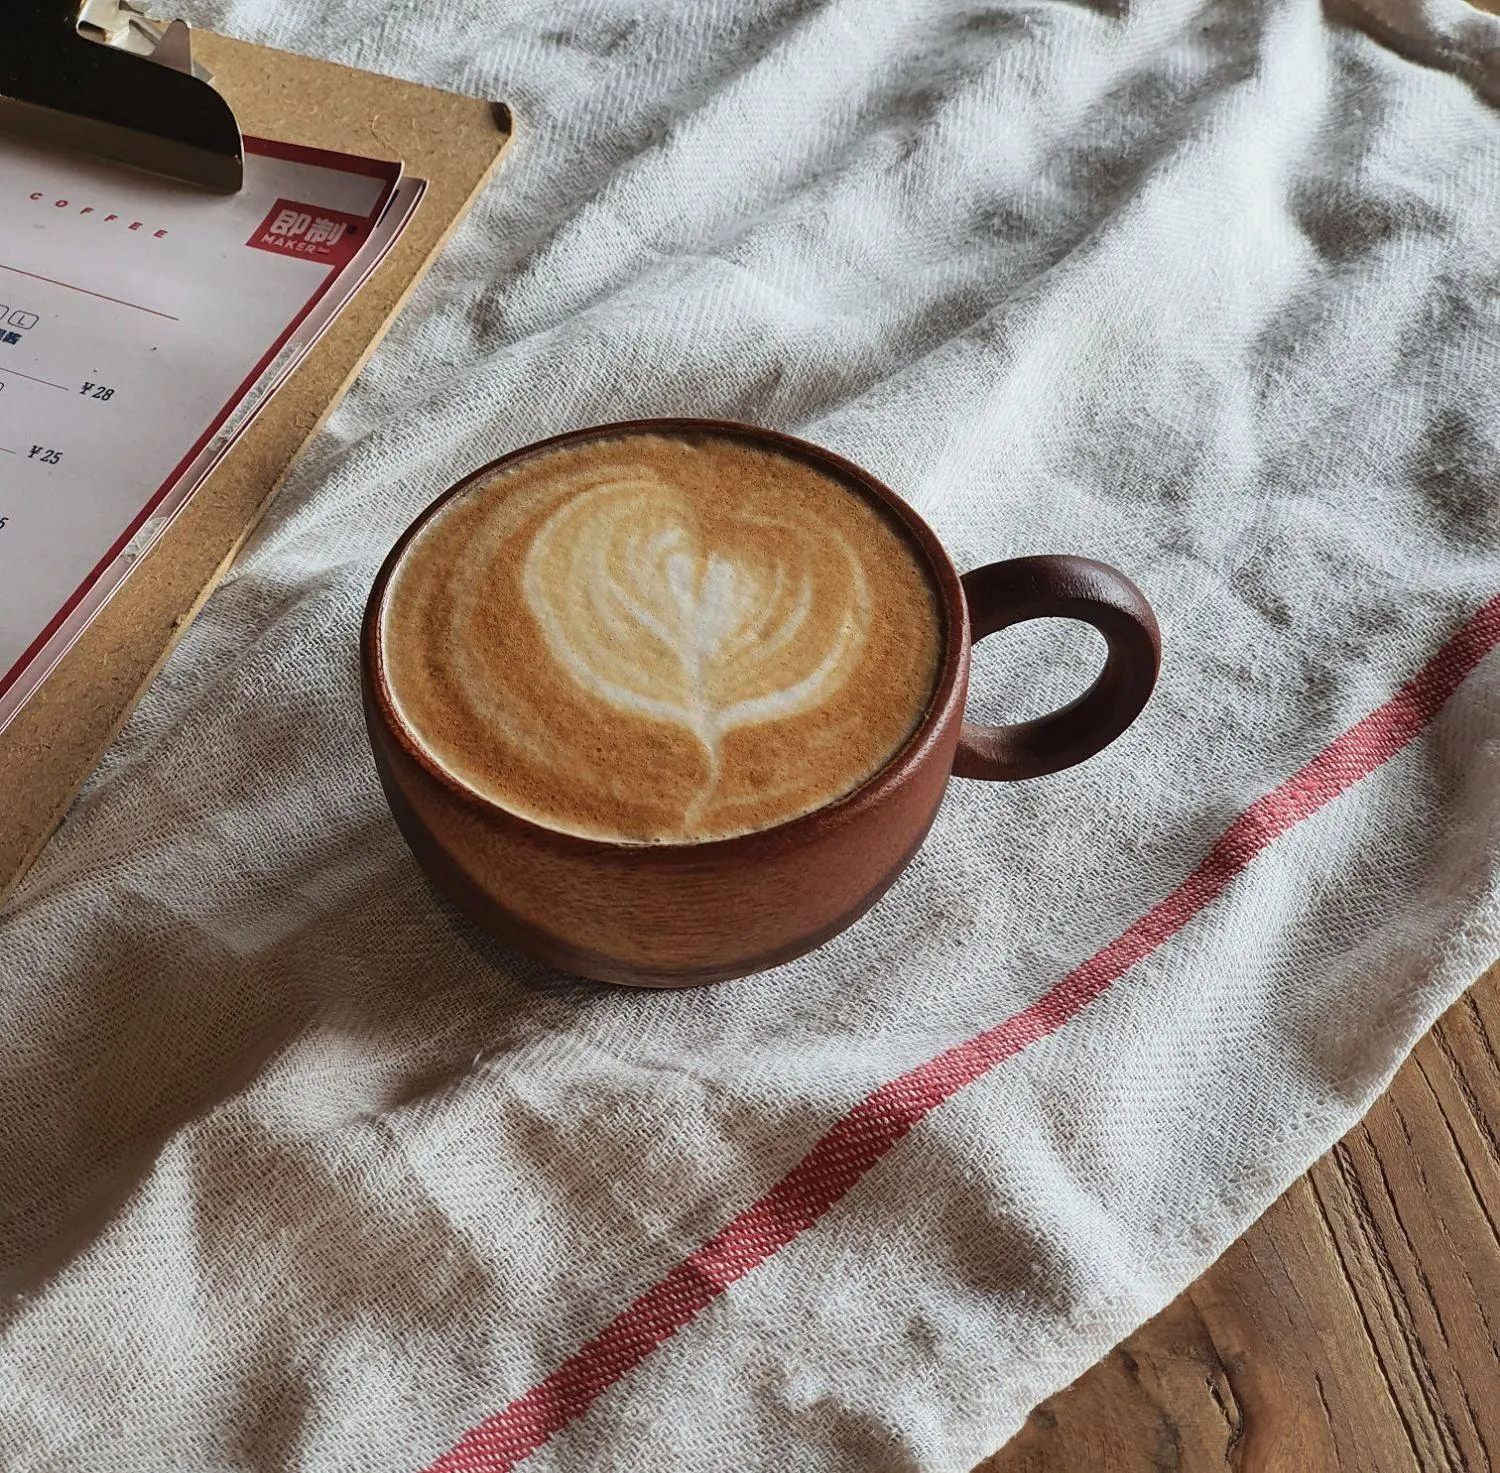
(659, 639)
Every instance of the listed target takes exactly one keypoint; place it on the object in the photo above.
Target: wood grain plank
(1354, 1329)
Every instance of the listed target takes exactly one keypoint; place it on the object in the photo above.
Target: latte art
(645, 621)
(651, 639)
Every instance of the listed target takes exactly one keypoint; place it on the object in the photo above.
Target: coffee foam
(652, 639)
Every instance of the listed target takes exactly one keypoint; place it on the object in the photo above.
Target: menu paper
(142, 324)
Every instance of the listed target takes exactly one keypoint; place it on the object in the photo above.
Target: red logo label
(328, 237)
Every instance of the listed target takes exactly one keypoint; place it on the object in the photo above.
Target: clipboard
(453, 142)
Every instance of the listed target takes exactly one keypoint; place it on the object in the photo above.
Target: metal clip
(126, 25)
(103, 77)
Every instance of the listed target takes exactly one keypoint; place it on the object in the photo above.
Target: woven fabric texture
(298, 1173)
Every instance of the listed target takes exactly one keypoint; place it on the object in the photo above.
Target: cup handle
(1002, 594)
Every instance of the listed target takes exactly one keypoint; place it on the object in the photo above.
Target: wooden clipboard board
(454, 143)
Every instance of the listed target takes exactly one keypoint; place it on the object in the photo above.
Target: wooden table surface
(1354, 1329)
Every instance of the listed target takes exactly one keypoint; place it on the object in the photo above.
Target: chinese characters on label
(321, 235)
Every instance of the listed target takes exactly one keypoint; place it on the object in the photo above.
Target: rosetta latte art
(647, 621)
(652, 640)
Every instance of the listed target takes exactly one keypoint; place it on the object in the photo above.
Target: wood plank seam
(1404, 1336)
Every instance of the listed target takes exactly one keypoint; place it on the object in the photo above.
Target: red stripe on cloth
(881, 1119)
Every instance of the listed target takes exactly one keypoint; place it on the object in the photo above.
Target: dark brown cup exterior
(678, 915)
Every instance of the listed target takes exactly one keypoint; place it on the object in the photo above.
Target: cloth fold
(297, 1172)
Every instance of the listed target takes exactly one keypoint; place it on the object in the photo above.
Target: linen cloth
(297, 1173)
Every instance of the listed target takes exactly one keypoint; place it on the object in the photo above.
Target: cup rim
(859, 800)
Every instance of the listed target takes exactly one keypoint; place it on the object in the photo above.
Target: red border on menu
(266, 148)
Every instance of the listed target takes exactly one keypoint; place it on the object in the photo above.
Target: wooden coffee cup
(676, 915)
